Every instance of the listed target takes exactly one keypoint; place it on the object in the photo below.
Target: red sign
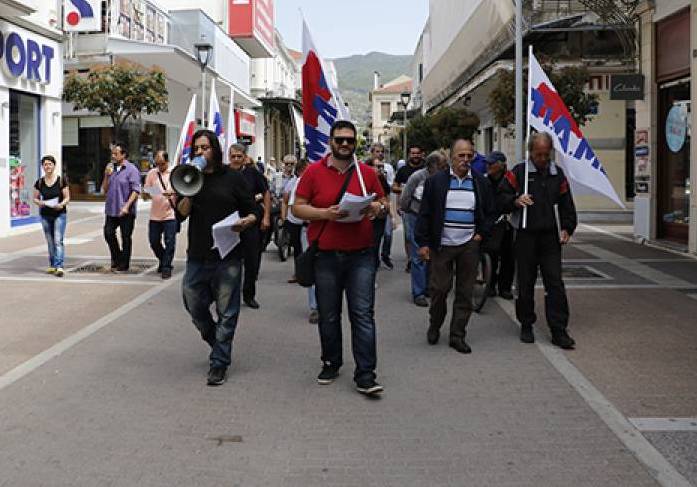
(252, 26)
(245, 123)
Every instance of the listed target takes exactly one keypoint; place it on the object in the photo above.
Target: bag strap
(347, 180)
(162, 182)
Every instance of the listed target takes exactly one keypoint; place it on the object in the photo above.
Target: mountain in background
(356, 79)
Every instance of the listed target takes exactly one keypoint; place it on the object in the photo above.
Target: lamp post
(203, 55)
(405, 98)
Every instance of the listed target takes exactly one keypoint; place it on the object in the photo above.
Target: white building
(386, 101)
(31, 85)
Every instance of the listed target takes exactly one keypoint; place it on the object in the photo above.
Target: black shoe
(506, 295)
(252, 303)
(159, 269)
(460, 345)
(122, 269)
(562, 340)
(407, 269)
(432, 335)
(388, 262)
(166, 274)
(421, 301)
(369, 387)
(526, 334)
(328, 375)
(217, 376)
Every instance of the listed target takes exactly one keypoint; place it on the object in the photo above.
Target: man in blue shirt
(122, 187)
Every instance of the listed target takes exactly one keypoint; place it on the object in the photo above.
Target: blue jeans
(165, 254)
(419, 268)
(214, 282)
(353, 273)
(387, 238)
(54, 231)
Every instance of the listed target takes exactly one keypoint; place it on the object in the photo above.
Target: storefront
(673, 127)
(31, 82)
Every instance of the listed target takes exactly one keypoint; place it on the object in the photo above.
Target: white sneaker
(59, 272)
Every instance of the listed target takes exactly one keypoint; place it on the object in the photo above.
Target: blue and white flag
(215, 118)
(548, 113)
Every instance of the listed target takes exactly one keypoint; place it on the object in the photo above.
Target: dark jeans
(419, 268)
(295, 233)
(460, 261)
(251, 248)
(353, 273)
(541, 250)
(216, 282)
(156, 230)
(378, 234)
(503, 263)
(387, 239)
(120, 256)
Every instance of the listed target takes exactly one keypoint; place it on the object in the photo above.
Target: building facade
(386, 102)
(31, 86)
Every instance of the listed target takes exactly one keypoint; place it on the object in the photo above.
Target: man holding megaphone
(218, 192)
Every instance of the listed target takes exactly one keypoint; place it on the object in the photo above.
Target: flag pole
(527, 136)
(519, 81)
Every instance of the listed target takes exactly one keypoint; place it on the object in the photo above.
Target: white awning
(299, 123)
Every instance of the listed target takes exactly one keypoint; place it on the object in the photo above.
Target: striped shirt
(460, 203)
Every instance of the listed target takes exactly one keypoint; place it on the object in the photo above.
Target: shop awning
(299, 124)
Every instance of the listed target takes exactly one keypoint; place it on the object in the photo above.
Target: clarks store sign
(627, 87)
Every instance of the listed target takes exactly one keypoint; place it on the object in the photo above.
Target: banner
(183, 152)
(548, 113)
(215, 118)
(82, 15)
(321, 104)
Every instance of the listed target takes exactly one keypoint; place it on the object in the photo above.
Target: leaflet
(354, 206)
(52, 203)
(153, 190)
(224, 238)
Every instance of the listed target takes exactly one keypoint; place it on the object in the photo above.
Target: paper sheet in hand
(224, 239)
(52, 203)
(354, 205)
(153, 190)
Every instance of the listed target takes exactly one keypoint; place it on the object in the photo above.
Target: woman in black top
(211, 277)
(51, 195)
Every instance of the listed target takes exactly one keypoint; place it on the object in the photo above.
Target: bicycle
(480, 293)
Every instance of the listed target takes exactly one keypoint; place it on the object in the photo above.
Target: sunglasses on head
(345, 140)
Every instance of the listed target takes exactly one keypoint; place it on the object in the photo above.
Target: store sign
(26, 56)
(252, 26)
(82, 15)
(246, 124)
(676, 128)
(627, 87)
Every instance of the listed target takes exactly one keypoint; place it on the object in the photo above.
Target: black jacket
(429, 225)
(547, 188)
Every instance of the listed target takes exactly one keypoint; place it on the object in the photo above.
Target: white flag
(231, 131)
(215, 118)
(548, 113)
(183, 152)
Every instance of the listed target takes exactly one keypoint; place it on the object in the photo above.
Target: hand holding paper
(224, 237)
(355, 206)
(153, 190)
(52, 203)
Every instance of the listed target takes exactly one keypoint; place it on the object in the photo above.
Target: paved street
(102, 380)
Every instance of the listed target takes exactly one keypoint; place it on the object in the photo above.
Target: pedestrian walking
(122, 187)
(410, 204)
(379, 223)
(163, 223)
(550, 222)
(499, 245)
(251, 238)
(211, 278)
(377, 150)
(457, 212)
(413, 164)
(345, 261)
(52, 195)
(292, 224)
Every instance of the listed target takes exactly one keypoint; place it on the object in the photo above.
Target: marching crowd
(453, 205)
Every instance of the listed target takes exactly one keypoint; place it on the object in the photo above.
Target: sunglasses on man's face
(345, 140)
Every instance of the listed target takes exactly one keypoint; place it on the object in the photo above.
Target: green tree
(119, 91)
(569, 81)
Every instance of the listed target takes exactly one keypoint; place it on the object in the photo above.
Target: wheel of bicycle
(481, 284)
(283, 244)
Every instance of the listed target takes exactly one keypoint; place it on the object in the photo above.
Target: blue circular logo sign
(676, 128)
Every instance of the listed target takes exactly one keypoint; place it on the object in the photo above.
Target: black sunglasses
(345, 140)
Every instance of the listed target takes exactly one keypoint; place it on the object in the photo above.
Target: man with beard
(345, 261)
(414, 163)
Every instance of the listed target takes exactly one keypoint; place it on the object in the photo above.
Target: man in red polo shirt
(346, 259)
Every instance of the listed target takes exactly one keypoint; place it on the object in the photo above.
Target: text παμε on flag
(548, 113)
(215, 118)
(322, 106)
(183, 152)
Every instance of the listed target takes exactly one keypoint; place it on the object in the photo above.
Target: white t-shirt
(389, 173)
(291, 201)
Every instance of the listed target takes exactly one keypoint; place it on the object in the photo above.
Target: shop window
(24, 155)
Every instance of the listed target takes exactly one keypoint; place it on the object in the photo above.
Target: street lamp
(406, 98)
(203, 55)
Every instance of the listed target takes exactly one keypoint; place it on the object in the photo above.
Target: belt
(341, 253)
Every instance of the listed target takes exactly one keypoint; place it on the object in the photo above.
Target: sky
(345, 27)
